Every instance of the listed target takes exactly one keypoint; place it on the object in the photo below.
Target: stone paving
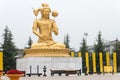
(83, 77)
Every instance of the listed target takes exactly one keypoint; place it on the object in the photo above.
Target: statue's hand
(43, 37)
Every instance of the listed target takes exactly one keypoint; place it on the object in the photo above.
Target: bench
(29, 74)
(66, 72)
(59, 72)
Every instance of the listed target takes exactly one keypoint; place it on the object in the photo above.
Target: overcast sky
(75, 18)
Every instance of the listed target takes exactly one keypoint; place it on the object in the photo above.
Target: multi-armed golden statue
(43, 28)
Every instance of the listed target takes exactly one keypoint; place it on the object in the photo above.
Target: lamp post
(86, 34)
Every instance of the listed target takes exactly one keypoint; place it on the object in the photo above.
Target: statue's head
(45, 11)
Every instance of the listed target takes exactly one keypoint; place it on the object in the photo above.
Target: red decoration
(14, 72)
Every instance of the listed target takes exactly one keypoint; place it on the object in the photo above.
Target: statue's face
(46, 13)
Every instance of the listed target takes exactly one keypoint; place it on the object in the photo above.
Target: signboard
(108, 69)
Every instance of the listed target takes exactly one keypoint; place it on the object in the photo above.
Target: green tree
(99, 47)
(117, 50)
(9, 50)
(67, 41)
(83, 50)
(29, 43)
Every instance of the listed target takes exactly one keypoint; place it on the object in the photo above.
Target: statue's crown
(45, 5)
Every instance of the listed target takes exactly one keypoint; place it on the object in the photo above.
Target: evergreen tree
(83, 50)
(29, 43)
(9, 49)
(99, 47)
(117, 46)
(67, 41)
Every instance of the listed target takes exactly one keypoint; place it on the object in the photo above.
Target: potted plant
(14, 74)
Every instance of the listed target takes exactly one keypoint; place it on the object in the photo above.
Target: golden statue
(44, 27)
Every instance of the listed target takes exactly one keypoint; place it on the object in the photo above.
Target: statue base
(47, 52)
(51, 63)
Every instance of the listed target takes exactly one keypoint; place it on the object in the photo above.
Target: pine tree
(67, 41)
(117, 46)
(83, 50)
(99, 47)
(9, 49)
(29, 43)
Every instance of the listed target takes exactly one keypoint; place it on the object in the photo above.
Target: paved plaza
(83, 77)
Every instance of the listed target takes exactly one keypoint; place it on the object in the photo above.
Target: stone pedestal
(54, 63)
